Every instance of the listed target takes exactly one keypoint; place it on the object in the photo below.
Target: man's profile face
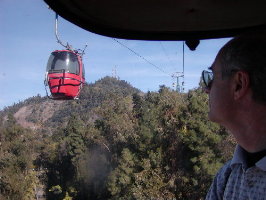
(220, 96)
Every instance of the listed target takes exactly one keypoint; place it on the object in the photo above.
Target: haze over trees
(115, 143)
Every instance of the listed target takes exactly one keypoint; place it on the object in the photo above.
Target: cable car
(65, 74)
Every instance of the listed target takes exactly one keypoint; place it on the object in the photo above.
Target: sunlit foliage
(115, 143)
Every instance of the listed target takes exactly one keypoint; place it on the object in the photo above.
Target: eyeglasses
(207, 78)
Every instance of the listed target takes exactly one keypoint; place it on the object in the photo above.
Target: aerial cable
(183, 57)
(167, 55)
(183, 73)
(177, 75)
(141, 56)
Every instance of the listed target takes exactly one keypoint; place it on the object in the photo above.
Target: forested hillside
(115, 143)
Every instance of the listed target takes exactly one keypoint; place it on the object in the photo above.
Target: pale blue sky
(27, 38)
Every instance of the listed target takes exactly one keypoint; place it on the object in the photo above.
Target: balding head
(248, 53)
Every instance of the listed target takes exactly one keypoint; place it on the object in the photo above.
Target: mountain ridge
(38, 112)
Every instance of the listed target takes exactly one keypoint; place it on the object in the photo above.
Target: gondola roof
(164, 19)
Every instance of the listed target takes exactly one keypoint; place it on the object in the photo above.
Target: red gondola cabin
(65, 74)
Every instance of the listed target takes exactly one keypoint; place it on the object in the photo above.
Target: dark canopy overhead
(164, 19)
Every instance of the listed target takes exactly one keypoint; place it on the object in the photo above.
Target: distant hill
(44, 114)
(115, 142)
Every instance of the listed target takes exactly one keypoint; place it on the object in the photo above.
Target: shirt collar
(240, 158)
(262, 163)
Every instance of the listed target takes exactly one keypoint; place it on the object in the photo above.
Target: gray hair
(248, 53)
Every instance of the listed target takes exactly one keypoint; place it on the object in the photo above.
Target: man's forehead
(211, 67)
(215, 65)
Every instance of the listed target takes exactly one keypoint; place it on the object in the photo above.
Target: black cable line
(183, 57)
(141, 56)
(166, 54)
(183, 83)
(183, 63)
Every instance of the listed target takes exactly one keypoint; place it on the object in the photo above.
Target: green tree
(201, 157)
(16, 161)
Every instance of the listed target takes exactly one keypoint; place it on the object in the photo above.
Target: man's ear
(241, 84)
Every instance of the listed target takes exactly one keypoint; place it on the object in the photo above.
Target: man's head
(238, 70)
(247, 53)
